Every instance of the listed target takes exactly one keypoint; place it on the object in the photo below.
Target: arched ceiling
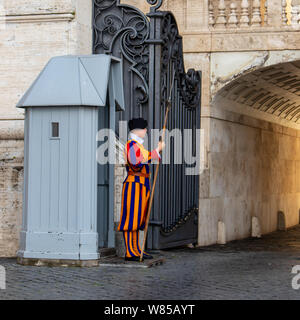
(273, 90)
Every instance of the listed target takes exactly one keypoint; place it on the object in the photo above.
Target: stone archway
(270, 93)
(253, 153)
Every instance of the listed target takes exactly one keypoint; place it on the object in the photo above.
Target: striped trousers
(131, 240)
(135, 199)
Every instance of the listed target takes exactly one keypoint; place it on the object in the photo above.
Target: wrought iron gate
(151, 49)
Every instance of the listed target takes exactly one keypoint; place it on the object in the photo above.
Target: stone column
(274, 13)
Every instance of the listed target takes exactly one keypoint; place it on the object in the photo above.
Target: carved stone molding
(31, 18)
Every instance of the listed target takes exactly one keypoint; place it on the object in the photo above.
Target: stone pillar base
(57, 262)
(119, 242)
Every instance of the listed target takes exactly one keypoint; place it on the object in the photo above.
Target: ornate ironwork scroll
(122, 30)
(155, 3)
(188, 83)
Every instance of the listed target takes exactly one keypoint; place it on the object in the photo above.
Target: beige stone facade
(252, 154)
(31, 33)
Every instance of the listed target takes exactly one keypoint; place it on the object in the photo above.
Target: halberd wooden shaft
(154, 183)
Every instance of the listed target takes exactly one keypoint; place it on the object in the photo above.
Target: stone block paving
(245, 269)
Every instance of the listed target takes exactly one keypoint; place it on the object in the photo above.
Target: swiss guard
(136, 188)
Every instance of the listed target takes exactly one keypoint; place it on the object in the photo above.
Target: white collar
(136, 138)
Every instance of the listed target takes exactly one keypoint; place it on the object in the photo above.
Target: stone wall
(252, 171)
(11, 187)
(34, 31)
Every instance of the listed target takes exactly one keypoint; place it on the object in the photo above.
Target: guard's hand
(161, 145)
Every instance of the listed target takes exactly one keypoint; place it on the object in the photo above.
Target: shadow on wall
(253, 156)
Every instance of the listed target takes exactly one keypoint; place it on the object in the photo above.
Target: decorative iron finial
(156, 3)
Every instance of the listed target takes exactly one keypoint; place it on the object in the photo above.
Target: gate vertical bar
(154, 110)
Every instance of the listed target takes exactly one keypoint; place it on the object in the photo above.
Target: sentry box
(68, 197)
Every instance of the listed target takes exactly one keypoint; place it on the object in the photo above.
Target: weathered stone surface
(253, 172)
(11, 187)
(57, 262)
(64, 27)
(221, 233)
(11, 130)
(21, 7)
(255, 228)
(200, 61)
(26, 47)
(236, 63)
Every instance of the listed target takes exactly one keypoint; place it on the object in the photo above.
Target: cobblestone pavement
(245, 269)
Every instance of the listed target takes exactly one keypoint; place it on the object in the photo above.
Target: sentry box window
(54, 129)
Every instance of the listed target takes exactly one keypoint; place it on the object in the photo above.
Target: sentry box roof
(76, 81)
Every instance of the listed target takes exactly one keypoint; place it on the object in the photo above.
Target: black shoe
(134, 258)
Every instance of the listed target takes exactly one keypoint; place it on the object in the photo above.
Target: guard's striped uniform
(135, 195)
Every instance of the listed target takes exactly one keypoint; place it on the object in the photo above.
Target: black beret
(137, 123)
